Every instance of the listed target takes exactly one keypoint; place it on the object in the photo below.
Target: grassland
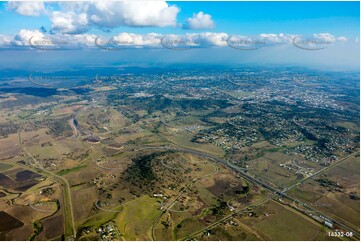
(136, 218)
(73, 169)
(337, 204)
(4, 167)
(154, 191)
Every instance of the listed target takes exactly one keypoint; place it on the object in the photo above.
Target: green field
(285, 224)
(136, 218)
(4, 167)
(73, 169)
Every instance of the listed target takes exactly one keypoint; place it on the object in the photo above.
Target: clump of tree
(219, 208)
(354, 196)
(141, 173)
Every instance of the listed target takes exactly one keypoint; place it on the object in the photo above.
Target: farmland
(197, 156)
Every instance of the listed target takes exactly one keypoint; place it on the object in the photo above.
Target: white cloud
(69, 22)
(325, 37)
(79, 17)
(5, 40)
(208, 38)
(24, 36)
(200, 21)
(133, 13)
(83, 39)
(277, 38)
(27, 8)
(33, 38)
(154, 40)
(149, 40)
(342, 38)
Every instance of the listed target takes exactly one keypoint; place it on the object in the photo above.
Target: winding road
(67, 203)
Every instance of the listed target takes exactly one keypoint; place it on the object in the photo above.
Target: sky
(339, 18)
(319, 34)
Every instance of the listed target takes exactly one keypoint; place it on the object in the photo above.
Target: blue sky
(339, 18)
(287, 17)
(146, 24)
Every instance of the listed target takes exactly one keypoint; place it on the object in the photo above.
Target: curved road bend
(68, 207)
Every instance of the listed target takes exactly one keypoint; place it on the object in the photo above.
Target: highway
(283, 193)
(68, 209)
(322, 170)
(268, 187)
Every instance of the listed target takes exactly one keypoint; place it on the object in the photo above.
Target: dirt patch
(227, 187)
(23, 179)
(26, 175)
(53, 227)
(8, 222)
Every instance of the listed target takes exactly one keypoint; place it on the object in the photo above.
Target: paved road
(322, 170)
(168, 206)
(68, 206)
(246, 209)
(265, 185)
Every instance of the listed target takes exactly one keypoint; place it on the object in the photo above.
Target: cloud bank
(27, 37)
